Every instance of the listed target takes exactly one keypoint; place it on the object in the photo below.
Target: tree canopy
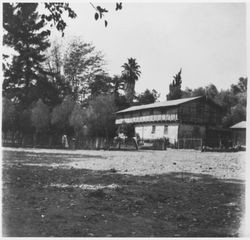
(175, 87)
(24, 33)
(130, 74)
(81, 65)
(147, 97)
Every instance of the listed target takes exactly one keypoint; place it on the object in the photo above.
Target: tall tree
(175, 87)
(81, 64)
(26, 35)
(54, 66)
(130, 74)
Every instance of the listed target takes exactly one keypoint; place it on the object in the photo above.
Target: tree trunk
(129, 91)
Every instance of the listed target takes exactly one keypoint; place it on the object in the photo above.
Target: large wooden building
(187, 122)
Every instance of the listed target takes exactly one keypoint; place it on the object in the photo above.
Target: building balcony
(150, 118)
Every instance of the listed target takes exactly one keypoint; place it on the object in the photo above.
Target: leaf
(106, 23)
(99, 8)
(118, 6)
(96, 16)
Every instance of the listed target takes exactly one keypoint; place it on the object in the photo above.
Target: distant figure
(166, 142)
(138, 139)
(73, 143)
(134, 139)
(65, 141)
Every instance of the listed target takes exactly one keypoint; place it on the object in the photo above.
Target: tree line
(49, 90)
(232, 100)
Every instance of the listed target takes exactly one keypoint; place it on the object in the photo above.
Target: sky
(206, 40)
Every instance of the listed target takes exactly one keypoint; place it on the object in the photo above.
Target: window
(165, 129)
(153, 129)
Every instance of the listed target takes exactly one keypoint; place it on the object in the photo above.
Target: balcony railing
(151, 118)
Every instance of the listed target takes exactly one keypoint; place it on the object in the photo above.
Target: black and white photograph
(124, 119)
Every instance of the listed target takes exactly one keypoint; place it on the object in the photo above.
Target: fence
(30, 140)
(189, 143)
(91, 143)
(47, 141)
(53, 141)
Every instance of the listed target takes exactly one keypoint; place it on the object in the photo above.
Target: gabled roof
(160, 104)
(242, 124)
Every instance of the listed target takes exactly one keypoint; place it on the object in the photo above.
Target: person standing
(65, 141)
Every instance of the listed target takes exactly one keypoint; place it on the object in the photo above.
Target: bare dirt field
(173, 193)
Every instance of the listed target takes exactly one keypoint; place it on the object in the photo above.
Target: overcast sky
(208, 40)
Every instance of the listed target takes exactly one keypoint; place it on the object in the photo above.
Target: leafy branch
(100, 12)
(56, 10)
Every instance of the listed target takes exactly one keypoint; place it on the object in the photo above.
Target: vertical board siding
(191, 131)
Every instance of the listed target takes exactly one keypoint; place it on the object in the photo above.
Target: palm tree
(130, 74)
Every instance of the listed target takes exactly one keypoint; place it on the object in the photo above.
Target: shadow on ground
(169, 205)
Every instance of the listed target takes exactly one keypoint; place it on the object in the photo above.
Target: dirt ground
(173, 193)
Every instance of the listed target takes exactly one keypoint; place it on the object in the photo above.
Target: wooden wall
(239, 137)
(199, 112)
(191, 131)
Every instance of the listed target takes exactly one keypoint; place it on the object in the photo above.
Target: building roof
(160, 104)
(242, 124)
